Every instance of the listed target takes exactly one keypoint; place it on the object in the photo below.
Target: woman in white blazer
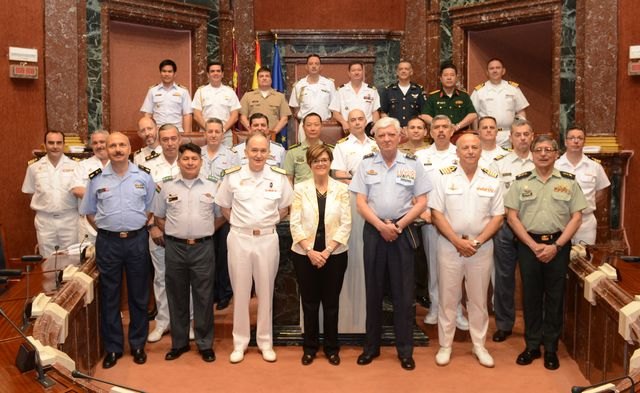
(320, 220)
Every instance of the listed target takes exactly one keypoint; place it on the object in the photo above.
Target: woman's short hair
(316, 151)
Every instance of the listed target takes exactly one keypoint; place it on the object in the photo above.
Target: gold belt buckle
(123, 235)
(256, 232)
(545, 238)
(191, 242)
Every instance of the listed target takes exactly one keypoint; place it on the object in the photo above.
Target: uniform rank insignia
(144, 168)
(95, 173)
(567, 175)
(76, 159)
(33, 160)
(230, 170)
(514, 84)
(489, 172)
(368, 155)
(158, 188)
(500, 157)
(151, 156)
(167, 178)
(523, 175)
(279, 170)
(343, 140)
(526, 192)
(448, 170)
(172, 198)
(294, 146)
(410, 156)
(371, 172)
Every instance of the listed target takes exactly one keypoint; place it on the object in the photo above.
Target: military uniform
(389, 193)
(120, 206)
(167, 105)
(254, 250)
(56, 208)
(488, 156)
(162, 172)
(188, 209)
(295, 162)
(276, 154)
(544, 210)
(216, 102)
(456, 107)
(432, 160)
(320, 97)
(349, 151)
(505, 252)
(468, 206)
(366, 99)
(84, 169)
(146, 154)
(402, 106)
(213, 169)
(408, 149)
(273, 105)
(501, 101)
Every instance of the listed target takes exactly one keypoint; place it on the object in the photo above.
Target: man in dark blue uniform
(404, 99)
(116, 203)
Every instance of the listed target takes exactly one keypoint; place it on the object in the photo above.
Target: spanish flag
(254, 85)
(235, 80)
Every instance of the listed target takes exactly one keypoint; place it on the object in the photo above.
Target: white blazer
(304, 217)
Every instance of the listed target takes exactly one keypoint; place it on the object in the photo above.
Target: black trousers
(222, 288)
(113, 256)
(320, 286)
(190, 267)
(394, 260)
(543, 287)
(505, 256)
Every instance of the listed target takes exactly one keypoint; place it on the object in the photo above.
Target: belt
(549, 237)
(121, 235)
(254, 231)
(189, 241)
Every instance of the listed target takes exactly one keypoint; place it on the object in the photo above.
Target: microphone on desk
(604, 386)
(24, 361)
(26, 309)
(80, 250)
(78, 374)
(55, 266)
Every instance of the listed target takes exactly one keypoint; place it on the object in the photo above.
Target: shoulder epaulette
(390, 85)
(279, 170)
(76, 159)
(523, 175)
(418, 85)
(372, 87)
(595, 159)
(294, 146)
(152, 86)
(231, 170)
(341, 86)
(489, 172)
(331, 79)
(144, 168)
(33, 160)
(372, 138)
(167, 178)
(184, 87)
(330, 145)
(410, 156)
(434, 92)
(448, 170)
(152, 155)
(514, 84)
(232, 149)
(461, 89)
(499, 157)
(346, 138)
(480, 86)
(368, 155)
(509, 149)
(95, 173)
(567, 175)
(137, 152)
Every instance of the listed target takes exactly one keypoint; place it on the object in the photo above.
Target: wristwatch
(476, 244)
(558, 247)
(309, 248)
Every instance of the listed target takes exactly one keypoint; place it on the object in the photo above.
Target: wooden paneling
(22, 111)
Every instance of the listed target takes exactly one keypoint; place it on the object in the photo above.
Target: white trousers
(254, 257)
(429, 241)
(159, 290)
(587, 231)
(56, 229)
(476, 271)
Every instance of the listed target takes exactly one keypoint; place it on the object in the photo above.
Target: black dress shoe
(365, 358)
(307, 359)
(551, 361)
(151, 314)
(407, 363)
(222, 304)
(175, 353)
(111, 359)
(139, 356)
(528, 356)
(334, 359)
(501, 335)
(423, 301)
(208, 355)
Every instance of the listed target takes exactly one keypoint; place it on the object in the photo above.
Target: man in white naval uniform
(148, 132)
(260, 123)
(487, 131)
(356, 94)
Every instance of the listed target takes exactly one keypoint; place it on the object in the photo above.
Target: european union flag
(277, 82)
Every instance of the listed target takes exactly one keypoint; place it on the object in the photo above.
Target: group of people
(206, 216)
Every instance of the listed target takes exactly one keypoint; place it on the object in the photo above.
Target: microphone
(78, 374)
(606, 385)
(45, 381)
(80, 251)
(10, 272)
(26, 309)
(55, 266)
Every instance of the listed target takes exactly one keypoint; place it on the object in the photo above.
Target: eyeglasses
(544, 149)
(575, 138)
(320, 161)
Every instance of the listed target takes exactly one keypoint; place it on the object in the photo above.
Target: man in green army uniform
(295, 162)
(450, 101)
(544, 210)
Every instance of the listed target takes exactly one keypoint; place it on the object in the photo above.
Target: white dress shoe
(269, 355)
(443, 357)
(192, 334)
(461, 322)
(483, 356)
(431, 318)
(156, 334)
(236, 356)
